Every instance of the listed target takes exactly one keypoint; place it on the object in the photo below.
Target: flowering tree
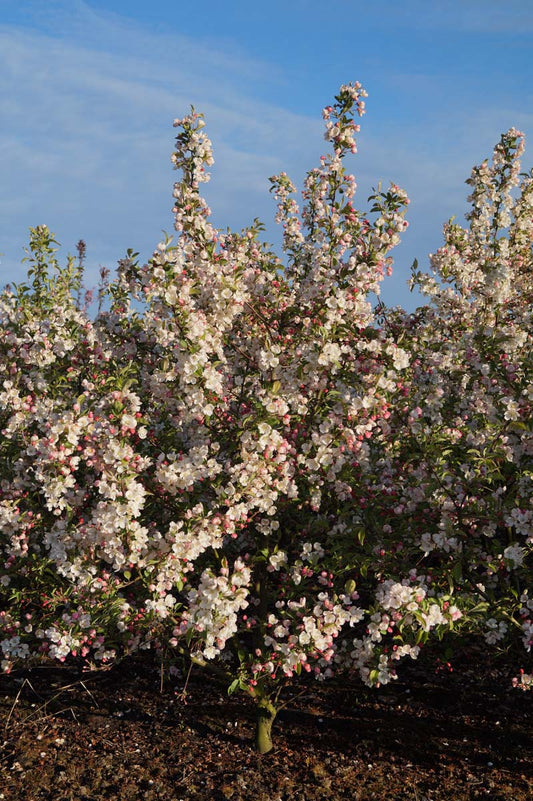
(461, 463)
(262, 384)
(226, 461)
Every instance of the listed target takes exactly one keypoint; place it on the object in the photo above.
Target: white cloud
(88, 134)
(87, 101)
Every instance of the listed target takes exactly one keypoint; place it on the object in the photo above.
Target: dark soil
(115, 735)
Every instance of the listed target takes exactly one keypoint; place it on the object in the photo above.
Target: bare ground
(118, 735)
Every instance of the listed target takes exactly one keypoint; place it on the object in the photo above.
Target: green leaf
(457, 572)
(421, 636)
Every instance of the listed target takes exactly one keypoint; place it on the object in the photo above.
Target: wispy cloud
(87, 100)
(88, 135)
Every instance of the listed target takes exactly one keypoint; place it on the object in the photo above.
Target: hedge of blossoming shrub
(240, 462)
(464, 469)
(458, 493)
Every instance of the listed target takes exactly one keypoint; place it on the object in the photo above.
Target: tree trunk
(266, 712)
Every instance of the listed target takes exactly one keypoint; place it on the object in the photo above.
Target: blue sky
(89, 90)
